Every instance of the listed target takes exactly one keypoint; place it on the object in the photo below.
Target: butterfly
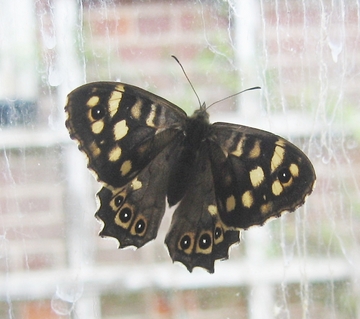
(223, 177)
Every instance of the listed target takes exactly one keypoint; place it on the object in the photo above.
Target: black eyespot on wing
(97, 112)
(284, 175)
(118, 201)
(217, 233)
(205, 241)
(185, 242)
(140, 226)
(125, 215)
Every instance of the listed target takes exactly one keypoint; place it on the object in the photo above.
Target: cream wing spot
(277, 158)
(120, 130)
(247, 199)
(136, 184)
(281, 142)
(230, 203)
(277, 188)
(256, 150)
(97, 127)
(114, 102)
(93, 101)
(294, 170)
(212, 209)
(120, 87)
(125, 167)
(114, 154)
(150, 118)
(239, 148)
(256, 176)
(94, 149)
(266, 208)
(136, 110)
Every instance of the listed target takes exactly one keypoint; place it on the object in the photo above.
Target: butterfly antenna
(182, 68)
(232, 95)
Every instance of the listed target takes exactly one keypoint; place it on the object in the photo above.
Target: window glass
(303, 55)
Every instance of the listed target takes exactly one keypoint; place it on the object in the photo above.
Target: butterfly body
(144, 150)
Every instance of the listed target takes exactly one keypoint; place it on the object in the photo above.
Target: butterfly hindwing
(121, 128)
(257, 175)
(132, 214)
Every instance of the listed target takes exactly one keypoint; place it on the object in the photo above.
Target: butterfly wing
(131, 138)
(121, 128)
(257, 175)
(132, 214)
(197, 237)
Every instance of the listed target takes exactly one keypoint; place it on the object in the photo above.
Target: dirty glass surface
(303, 55)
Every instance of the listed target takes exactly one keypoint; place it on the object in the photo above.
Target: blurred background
(303, 54)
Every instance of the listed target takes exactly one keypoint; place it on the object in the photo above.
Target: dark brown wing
(121, 128)
(257, 175)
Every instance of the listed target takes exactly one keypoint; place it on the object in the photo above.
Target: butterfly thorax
(196, 130)
(197, 127)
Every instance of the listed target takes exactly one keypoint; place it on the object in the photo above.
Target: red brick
(154, 24)
(111, 26)
(188, 51)
(142, 53)
(38, 261)
(190, 21)
(37, 310)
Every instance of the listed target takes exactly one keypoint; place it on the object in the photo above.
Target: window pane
(303, 55)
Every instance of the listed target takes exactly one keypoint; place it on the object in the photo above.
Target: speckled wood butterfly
(224, 177)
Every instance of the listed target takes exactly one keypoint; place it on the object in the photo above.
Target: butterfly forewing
(257, 175)
(121, 128)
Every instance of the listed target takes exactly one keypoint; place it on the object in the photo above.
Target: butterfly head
(201, 114)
